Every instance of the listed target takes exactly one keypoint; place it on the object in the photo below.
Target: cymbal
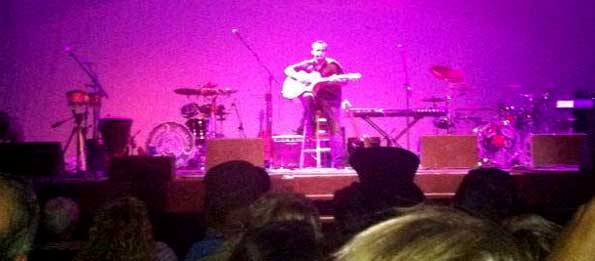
(475, 109)
(447, 74)
(433, 99)
(187, 91)
(209, 91)
(228, 91)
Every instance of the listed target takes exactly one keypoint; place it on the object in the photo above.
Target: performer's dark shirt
(328, 91)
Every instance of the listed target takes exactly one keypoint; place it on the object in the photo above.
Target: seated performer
(310, 82)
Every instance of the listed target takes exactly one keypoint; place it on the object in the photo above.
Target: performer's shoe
(299, 130)
(338, 165)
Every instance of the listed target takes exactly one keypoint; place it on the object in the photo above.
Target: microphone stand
(96, 87)
(408, 91)
(268, 98)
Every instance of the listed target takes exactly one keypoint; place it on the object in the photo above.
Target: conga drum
(116, 134)
(77, 98)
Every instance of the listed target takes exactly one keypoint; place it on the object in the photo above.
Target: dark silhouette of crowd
(382, 216)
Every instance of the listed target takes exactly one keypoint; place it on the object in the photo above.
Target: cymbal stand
(408, 93)
(240, 122)
(449, 114)
(213, 121)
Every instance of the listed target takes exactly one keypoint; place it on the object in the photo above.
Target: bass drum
(174, 140)
(499, 142)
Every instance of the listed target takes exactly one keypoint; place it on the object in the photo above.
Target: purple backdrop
(143, 50)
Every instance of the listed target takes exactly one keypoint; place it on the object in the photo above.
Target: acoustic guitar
(307, 82)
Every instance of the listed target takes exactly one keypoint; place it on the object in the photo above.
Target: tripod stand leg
(72, 133)
(81, 163)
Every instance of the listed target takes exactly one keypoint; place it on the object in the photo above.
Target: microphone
(68, 48)
(57, 124)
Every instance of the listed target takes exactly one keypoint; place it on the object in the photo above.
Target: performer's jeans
(333, 117)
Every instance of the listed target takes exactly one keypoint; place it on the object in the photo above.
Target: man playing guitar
(315, 83)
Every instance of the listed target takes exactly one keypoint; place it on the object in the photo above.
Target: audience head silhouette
(230, 186)
(284, 206)
(488, 193)
(121, 230)
(378, 165)
(283, 240)
(60, 217)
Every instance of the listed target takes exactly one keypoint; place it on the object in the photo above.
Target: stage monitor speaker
(147, 178)
(222, 150)
(38, 159)
(142, 169)
(286, 151)
(449, 151)
(551, 150)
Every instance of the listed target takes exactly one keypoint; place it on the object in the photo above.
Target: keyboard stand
(385, 135)
(407, 128)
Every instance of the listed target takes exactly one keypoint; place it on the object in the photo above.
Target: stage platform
(552, 189)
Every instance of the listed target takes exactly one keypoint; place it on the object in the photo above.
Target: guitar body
(293, 88)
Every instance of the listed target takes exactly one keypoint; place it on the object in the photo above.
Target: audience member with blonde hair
(577, 242)
(19, 215)
(432, 233)
(535, 234)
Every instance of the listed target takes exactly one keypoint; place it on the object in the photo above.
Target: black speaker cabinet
(147, 178)
(38, 159)
(142, 169)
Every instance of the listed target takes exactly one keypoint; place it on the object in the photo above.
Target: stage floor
(536, 185)
(562, 187)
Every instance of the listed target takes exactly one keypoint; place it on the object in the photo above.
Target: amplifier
(449, 151)
(286, 151)
(550, 150)
(222, 150)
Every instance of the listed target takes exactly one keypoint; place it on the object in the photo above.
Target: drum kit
(203, 120)
(502, 131)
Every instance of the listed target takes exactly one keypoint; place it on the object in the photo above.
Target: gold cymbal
(447, 74)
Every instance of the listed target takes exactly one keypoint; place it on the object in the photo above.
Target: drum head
(172, 139)
(190, 110)
(77, 97)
